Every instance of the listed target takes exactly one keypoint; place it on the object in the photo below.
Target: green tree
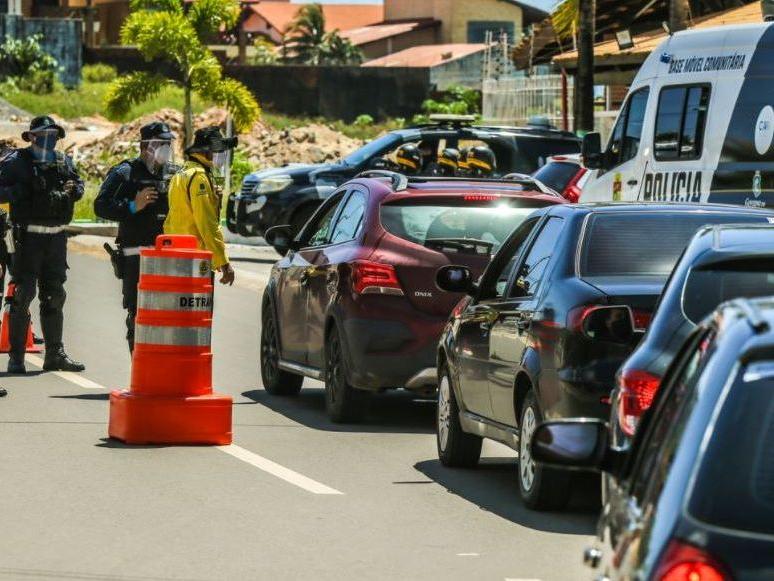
(307, 42)
(166, 34)
(265, 52)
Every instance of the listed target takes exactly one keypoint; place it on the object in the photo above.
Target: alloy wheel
(444, 412)
(526, 463)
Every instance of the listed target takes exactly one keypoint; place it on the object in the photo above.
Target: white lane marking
(68, 375)
(238, 452)
(468, 554)
(519, 579)
(277, 470)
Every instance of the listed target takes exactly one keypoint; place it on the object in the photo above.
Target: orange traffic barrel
(170, 399)
(5, 326)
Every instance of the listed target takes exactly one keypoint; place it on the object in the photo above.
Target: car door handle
(632, 183)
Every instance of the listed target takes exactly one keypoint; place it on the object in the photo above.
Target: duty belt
(38, 229)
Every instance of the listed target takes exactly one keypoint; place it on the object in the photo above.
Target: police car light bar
(445, 118)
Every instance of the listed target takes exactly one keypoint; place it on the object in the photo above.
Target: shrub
(240, 167)
(364, 120)
(99, 73)
(27, 65)
(455, 100)
(265, 52)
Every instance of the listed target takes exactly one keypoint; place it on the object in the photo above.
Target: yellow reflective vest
(194, 208)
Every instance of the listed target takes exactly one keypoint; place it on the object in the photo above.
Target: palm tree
(307, 42)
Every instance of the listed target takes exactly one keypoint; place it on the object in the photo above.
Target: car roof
(536, 132)
(757, 315)
(500, 190)
(615, 207)
(566, 157)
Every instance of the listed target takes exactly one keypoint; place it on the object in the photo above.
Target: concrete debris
(263, 146)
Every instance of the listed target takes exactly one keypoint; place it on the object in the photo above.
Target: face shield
(158, 154)
(220, 161)
(44, 142)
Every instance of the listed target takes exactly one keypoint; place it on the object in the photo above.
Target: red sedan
(354, 302)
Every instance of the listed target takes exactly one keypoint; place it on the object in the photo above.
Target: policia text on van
(697, 125)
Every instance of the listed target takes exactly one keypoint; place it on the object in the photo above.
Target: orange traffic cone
(5, 338)
(170, 400)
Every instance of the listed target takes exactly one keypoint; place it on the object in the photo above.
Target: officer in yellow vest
(195, 200)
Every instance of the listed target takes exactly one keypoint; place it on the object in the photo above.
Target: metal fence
(514, 100)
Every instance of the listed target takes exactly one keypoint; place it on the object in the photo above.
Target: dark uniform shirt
(28, 186)
(115, 198)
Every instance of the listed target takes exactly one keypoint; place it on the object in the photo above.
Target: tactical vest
(42, 199)
(142, 228)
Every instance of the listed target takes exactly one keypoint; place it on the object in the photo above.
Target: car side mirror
(281, 238)
(611, 324)
(579, 444)
(591, 151)
(455, 279)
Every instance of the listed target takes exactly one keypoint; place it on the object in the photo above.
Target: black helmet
(210, 140)
(481, 160)
(449, 161)
(409, 158)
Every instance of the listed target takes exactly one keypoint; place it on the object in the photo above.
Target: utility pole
(679, 11)
(584, 85)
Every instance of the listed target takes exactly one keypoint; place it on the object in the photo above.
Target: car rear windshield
(556, 175)
(734, 487)
(643, 243)
(706, 288)
(457, 224)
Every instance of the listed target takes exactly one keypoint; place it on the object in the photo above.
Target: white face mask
(157, 154)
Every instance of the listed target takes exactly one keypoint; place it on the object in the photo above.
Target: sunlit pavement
(296, 497)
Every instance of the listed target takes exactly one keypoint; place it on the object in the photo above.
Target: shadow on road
(111, 443)
(492, 486)
(86, 396)
(391, 412)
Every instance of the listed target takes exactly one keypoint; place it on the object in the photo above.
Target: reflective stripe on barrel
(180, 267)
(178, 336)
(174, 301)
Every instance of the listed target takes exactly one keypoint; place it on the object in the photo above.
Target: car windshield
(373, 148)
(706, 288)
(453, 226)
(641, 243)
(736, 490)
(556, 175)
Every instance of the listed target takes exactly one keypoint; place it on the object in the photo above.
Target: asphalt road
(296, 497)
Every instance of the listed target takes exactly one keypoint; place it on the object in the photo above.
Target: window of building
(477, 30)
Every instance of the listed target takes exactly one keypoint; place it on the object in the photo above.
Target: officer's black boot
(18, 323)
(3, 392)
(58, 360)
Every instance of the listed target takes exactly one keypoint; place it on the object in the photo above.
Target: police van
(696, 126)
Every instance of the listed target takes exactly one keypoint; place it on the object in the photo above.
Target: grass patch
(88, 100)
(84, 208)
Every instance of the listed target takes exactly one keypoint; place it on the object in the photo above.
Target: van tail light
(684, 562)
(572, 191)
(375, 278)
(637, 389)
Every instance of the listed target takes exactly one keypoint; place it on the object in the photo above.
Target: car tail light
(480, 197)
(572, 191)
(684, 562)
(375, 278)
(640, 319)
(637, 389)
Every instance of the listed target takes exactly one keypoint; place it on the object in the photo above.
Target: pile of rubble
(263, 146)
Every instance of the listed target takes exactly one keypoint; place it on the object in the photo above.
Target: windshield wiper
(461, 244)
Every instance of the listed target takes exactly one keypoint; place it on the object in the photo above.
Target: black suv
(693, 497)
(290, 194)
(721, 263)
(562, 305)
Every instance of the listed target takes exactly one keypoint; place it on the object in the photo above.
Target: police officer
(134, 194)
(481, 162)
(409, 159)
(195, 198)
(42, 186)
(448, 163)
